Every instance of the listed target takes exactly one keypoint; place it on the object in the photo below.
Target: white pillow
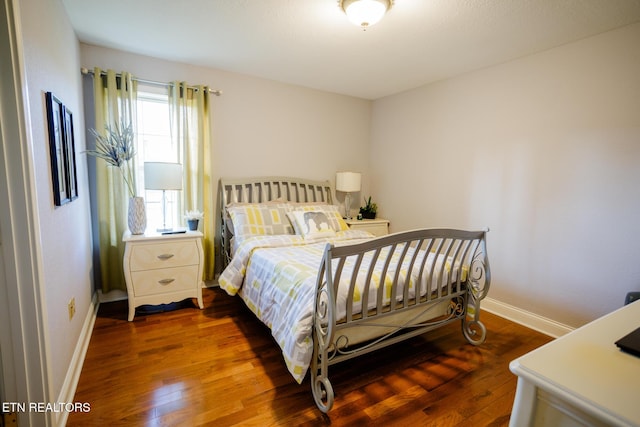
(251, 219)
(331, 211)
(311, 224)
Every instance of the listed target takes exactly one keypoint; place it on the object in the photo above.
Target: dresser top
(587, 369)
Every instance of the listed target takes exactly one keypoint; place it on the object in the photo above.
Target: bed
(329, 293)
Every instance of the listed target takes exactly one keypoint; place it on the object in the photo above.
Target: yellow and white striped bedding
(276, 276)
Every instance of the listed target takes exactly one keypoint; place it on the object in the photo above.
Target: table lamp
(163, 176)
(348, 182)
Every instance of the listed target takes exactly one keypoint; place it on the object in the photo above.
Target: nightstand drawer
(163, 255)
(164, 280)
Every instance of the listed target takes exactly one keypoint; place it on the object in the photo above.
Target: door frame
(25, 367)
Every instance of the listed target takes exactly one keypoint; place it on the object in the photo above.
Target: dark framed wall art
(70, 150)
(62, 151)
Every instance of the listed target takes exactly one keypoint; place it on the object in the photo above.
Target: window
(155, 145)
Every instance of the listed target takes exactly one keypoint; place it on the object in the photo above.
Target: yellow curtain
(191, 127)
(115, 102)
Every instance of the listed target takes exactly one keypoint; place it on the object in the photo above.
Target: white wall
(544, 150)
(52, 63)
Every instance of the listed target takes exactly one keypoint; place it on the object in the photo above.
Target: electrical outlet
(72, 308)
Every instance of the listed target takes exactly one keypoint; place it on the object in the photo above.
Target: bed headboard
(264, 189)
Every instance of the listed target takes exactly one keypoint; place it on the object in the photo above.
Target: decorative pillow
(254, 219)
(311, 224)
(331, 211)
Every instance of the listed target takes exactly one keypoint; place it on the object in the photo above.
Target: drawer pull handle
(165, 257)
(165, 281)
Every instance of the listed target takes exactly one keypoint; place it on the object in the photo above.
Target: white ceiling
(311, 42)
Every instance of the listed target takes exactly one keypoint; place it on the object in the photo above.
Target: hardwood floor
(219, 366)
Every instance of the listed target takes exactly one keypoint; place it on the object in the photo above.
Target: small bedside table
(161, 269)
(377, 227)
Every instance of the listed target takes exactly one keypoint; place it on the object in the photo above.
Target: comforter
(276, 276)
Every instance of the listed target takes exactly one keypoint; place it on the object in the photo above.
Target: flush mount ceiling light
(365, 13)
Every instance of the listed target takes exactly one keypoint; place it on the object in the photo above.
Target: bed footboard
(398, 286)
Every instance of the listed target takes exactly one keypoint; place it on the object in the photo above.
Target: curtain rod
(215, 92)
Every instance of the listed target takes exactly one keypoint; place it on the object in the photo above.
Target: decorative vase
(193, 224)
(137, 218)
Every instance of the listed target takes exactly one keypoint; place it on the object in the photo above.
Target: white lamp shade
(349, 182)
(365, 13)
(162, 176)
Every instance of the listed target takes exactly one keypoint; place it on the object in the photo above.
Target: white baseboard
(70, 384)
(526, 318)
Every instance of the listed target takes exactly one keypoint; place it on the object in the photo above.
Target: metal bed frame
(444, 298)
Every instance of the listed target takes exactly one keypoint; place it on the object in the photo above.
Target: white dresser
(161, 269)
(377, 227)
(582, 378)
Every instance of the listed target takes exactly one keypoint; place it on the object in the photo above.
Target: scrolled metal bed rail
(398, 286)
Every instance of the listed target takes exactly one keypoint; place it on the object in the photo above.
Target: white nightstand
(161, 269)
(377, 227)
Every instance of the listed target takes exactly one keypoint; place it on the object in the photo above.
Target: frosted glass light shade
(365, 13)
(162, 176)
(349, 182)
